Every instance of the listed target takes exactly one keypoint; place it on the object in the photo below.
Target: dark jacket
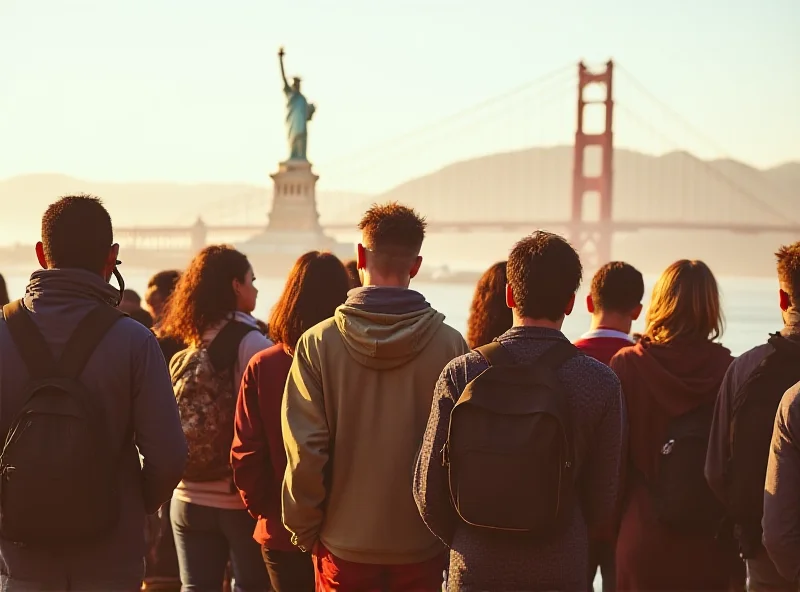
(662, 382)
(482, 560)
(128, 375)
(258, 456)
(781, 521)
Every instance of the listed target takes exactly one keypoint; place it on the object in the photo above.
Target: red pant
(338, 575)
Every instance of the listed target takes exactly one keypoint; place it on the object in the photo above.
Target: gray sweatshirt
(781, 522)
(128, 374)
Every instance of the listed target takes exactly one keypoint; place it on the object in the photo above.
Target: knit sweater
(481, 560)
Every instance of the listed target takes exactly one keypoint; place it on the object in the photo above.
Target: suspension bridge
(592, 190)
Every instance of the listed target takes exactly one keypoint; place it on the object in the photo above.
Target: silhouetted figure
(159, 289)
(489, 315)
(3, 292)
(352, 271)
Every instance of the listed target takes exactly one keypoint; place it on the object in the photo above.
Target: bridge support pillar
(593, 239)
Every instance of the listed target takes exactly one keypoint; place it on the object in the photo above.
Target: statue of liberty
(298, 112)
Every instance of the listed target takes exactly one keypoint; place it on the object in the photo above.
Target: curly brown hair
(316, 286)
(204, 294)
(489, 316)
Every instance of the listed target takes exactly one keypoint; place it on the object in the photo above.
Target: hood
(681, 374)
(66, 288)
(380, 339)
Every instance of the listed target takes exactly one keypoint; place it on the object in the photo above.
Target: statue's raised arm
(298, 113)
(281, 53)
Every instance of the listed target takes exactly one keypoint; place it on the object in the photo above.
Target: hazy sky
(189, 90)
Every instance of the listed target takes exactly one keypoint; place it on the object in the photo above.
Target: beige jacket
(356, 405)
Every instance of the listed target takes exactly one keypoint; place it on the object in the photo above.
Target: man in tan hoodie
(355, 409)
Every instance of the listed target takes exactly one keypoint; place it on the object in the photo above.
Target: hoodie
(128, 374)
(354, 412)
(661, 382)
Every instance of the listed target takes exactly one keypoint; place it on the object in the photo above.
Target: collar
(601, 333)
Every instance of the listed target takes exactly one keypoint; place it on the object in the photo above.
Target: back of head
(77, 234)
(544, 273)
(392, 235)
(159, 288)
(789, 272)
(352, 271)
(685, 304)
(489, 315)
(316, 286)
(617, 287)
(204, 294)
(3, 291)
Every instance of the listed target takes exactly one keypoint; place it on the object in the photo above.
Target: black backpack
(58, 474)
(755, 406)
(682, 498)
(509, 449)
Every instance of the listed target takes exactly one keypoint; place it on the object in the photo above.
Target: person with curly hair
(316, 287)
(209, 519)
(489, 315)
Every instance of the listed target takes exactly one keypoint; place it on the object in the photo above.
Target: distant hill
(532, 184)
(143, 203)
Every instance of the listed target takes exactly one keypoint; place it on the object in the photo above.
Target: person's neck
(377, 281)
(611, 320)
(541, 323)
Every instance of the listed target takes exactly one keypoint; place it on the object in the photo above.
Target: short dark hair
(617, 287)
(789, 271)
(163, 283)
(544, 272)
(352, 270)
(316, 286)
(77, 233)
(131, 295)
(394, 233)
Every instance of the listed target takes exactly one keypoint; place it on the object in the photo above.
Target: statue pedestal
(294, 198)
(293, 228)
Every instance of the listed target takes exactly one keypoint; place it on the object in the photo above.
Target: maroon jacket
(661, 382)
(258, 457)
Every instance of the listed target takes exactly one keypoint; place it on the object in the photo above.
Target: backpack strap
(495, 354)
(224, 349)
(85, 339)
(29, 341)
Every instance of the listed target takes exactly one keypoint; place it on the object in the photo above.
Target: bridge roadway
(172, 232)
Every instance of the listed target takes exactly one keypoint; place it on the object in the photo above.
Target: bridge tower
(593, 238)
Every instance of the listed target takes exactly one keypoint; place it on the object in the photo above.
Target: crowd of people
(356, 442)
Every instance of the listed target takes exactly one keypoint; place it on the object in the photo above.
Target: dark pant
(289, 571)
(205, 538)
(602, 555)
(337, 575)
(162, 572)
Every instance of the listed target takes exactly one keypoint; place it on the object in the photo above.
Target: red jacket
(661, 382)
(258, 457)
(603, 344)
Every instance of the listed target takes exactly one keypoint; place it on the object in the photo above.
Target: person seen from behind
(94, 451)
(352, 272)
(316, 286)
(3, 291)
(161, 573)
(736, 464)
(615, 302)
(210, 311)
(489, 317)
(522, 454)
(670, 380)
(357, 398)
(782, 490)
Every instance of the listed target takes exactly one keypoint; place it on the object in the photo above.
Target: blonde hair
(685, 304)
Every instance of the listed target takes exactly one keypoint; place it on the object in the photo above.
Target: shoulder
(318, 336)
(446, 334)
(274, 354)
(789, 409)
(137, 334)
(589, 371)
(750, 359)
